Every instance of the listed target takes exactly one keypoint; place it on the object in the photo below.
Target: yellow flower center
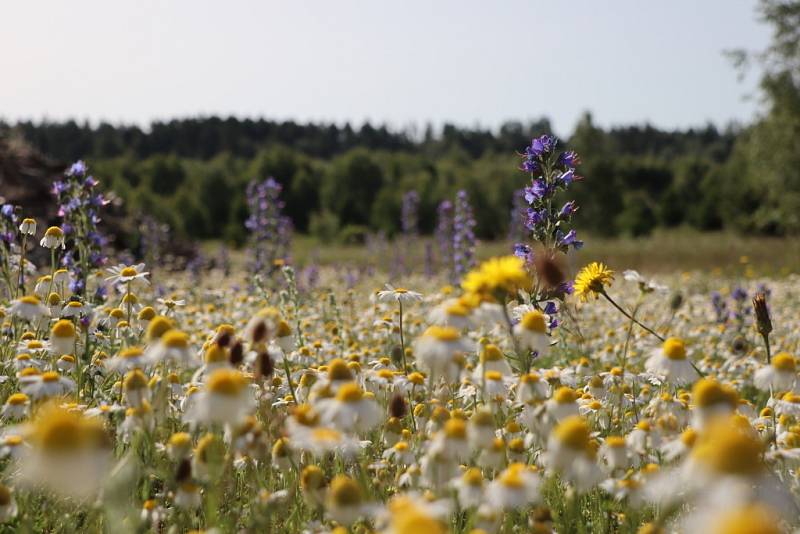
(512, 476)
(175, 339)
(158, 326)
(443, 333)
(284, 330)
(128, 271)
(751, 519)
(784, 362)
(674, 349)
(50, 376)
(13, 440)
(573, 432)
(728, 449)
(534, 321)
(226, 382)
(54, 231)
(350, 392)
(459, 310)
(615, 442)
(494, 376)
(17, 399)
(131, 352)
(409, 518)
(455, 429)
(63, 328)
(345, 491)
(30, 299)
(135, 380)
(473, 477)
(338, 370)
(565, 395)
(180, 439)
(326, 434)
(707, 392)
(491, 353)
(60, 430)
(312, 478)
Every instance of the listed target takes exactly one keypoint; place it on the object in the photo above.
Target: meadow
(417, 386)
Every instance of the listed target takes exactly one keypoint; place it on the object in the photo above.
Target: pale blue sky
(473, 62)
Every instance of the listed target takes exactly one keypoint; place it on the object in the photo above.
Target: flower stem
(402, 339)
(629, 316)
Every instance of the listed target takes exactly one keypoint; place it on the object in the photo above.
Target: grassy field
(662, 252)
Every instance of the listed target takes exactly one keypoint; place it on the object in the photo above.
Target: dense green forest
(345, 181)
(339, 180)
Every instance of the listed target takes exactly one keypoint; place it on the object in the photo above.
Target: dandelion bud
(264, 365)
(236, 356)
(763, 322)
(676, 301)
(398, 407)
(223, 339)
(260, 332)
(184, 471)
(397, 355)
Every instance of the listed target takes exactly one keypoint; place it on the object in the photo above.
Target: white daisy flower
(670, 361)
(127, 273)
(29, 308)
(516, 487)
(53, 238)
(779, 375)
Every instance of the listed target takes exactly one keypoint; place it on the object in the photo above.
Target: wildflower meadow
(439, 393)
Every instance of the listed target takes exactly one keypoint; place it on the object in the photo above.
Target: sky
(469, 62)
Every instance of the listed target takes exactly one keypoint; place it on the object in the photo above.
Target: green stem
(628, 315)
(402, 339)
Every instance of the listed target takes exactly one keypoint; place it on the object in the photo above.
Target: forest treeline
(341, 181)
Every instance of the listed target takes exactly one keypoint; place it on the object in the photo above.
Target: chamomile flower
(46, 385)
(350, 410)
(517, 486)
(470, 488)
(400, 453)
(436, 351)
(123, 274)
(532, 332)
(53, 238)
(69, 453)
(398, 294)
(571, 452)
(452, 312)
(779, 375)
(172, 347)
(29, 308)
(128, 359)
(28, 226)
(16, 407)
(345, 501)
(670, 361)
(74, 308)
(563, 403)
(645, 285)
(62, 337)
(711, 400)
(225, 399)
